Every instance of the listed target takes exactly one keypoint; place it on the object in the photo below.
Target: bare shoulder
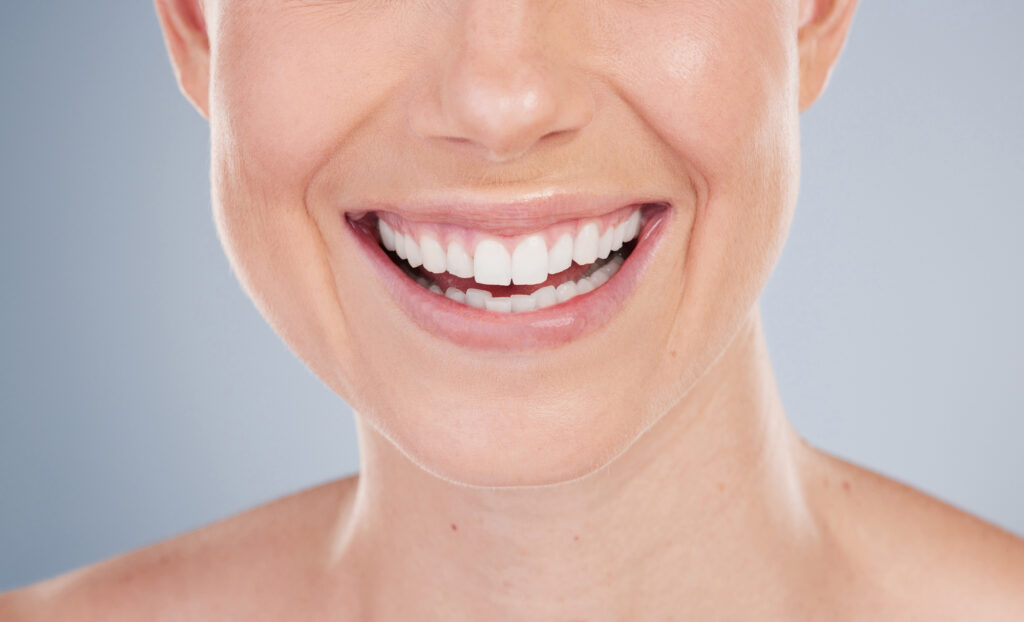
(921, 556)
(208, 573)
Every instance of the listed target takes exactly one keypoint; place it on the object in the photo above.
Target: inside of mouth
(559, 287)
(443, 281)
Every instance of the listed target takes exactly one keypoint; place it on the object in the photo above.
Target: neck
(695, 514)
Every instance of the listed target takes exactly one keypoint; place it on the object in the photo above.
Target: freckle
(673, 353)
(846, 485)
(721, 487)
(454, 527)
(824, 480)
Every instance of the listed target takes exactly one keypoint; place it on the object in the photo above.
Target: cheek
(720, 91)
(287, 93)
(282, 102)
(718, 86)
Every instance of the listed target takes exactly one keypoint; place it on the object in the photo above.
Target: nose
(500, 88)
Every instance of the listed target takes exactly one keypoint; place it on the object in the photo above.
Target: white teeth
(400, 245)
(459, 262)
(585, 249)
(566, 291)
(456, 294)
(387, 235)
(412, 252)
(560, 255)
(632, 226)
(530, 261)
(604, 243)
(584, 286)
(545, 296)
(433, 255)
(501, 305)
(522, 303)
(492, 264)
(617, 233)
(601, 276)
(477, 297)
(529, 264)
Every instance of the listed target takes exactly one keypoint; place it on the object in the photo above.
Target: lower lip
(488, 330)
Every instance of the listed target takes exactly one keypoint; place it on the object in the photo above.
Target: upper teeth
(530, 261)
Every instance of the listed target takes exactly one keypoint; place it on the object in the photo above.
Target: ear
(184, 26)
(823, 28)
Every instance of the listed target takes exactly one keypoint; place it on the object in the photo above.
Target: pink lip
(545, 328)
(502, 217)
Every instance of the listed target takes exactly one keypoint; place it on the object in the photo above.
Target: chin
(514, 442)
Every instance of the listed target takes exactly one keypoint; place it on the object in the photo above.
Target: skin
(646, 471)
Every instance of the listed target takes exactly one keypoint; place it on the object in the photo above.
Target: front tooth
(604, 243)
(400, 245)
(492, 264)
(522, 303)
(632, 226)
(560, 255)
(433, 255)
(545, 296)
(387, 235)
(412, 251)
(585, 248)
(530, 261)
(502, 304)
(566, 291)
(477, 297)
(459, 262)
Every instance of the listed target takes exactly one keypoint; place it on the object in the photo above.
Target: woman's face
(511, 123)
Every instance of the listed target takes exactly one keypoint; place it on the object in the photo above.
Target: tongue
(446, 280)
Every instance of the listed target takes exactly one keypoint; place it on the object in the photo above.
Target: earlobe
(824, 25)
(184, 26)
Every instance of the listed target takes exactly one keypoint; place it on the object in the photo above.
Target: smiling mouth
(511, 274)
(534, 288)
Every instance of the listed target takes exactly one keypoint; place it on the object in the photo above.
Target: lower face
(518, 320)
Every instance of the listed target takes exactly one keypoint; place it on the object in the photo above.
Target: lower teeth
(544, 297)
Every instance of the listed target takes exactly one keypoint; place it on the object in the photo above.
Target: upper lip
(522, 214)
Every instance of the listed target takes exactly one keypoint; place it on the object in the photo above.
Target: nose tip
(507, 111)
(503, 103)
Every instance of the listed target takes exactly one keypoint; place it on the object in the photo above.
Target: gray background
(141, 395)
